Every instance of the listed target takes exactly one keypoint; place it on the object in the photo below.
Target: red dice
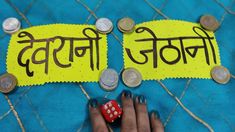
(111, 111)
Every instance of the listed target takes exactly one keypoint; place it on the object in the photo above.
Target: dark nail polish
(127, 93)
(156, 114)
(93, 103)
(141, 99)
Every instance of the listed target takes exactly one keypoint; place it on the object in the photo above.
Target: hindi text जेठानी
(171, 49)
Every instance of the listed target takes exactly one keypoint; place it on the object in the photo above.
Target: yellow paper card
(171, 49)
(57, 53)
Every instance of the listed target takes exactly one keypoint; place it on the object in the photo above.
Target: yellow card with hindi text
(171, 49)
(57, 53)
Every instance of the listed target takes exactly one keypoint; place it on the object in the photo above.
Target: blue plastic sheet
(63, 106)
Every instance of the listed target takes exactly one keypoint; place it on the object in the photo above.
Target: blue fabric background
(63, 107)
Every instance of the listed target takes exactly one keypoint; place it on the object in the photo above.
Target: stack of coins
(11, 25)
(104, 25)
(108, 79)
(131, 77)
(126, 25)
(209, 22)
(220, 74)
(7, 83)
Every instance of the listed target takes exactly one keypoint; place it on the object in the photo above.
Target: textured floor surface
(63, 106)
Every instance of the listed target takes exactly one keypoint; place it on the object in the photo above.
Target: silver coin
(108, 79)
(11, 25)
(126, 25)
(7, 83)
(220, 74)
(131, 77)
(209, 22)
(104, 25)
